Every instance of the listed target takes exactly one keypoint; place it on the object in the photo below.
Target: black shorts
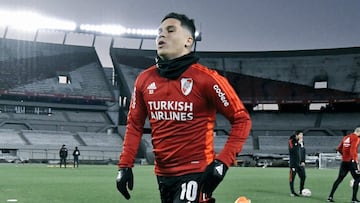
(180, 189)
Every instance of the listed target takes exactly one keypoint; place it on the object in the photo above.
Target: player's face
(173, 40)
(300, 137)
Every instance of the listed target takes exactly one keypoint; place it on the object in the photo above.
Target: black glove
(213, 175)
(124, 180)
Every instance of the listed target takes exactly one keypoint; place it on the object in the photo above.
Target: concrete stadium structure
(54, 94)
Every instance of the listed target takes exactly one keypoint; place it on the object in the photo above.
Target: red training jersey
(348, 147)
(181, 114)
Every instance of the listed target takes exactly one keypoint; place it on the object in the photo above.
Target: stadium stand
(282, 121)
(42, 137)
(33, 68)
(38, 144)
(285, 78)
(340, 120)
(10, 137)
(219, 142)
(314, 144)
(38, 113)
(101, 139)
(131, 73)
(273, 144)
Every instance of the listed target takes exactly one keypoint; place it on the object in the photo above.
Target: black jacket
(297, 152)
(63, 152)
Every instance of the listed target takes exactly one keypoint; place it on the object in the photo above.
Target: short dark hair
(184, 20)
(298, 132)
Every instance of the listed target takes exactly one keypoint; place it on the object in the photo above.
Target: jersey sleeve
(229, 104)
(134, 129)
(291, 146)
(354, 147)
(303, 154)
(340, 147)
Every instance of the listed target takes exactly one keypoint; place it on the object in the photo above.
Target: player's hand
(355, 166)
(213, 175)
(125, 180)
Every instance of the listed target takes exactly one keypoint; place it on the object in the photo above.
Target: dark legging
(63, 161)
(301, 172)
(345, 167)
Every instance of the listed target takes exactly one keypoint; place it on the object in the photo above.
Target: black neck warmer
(172, 69)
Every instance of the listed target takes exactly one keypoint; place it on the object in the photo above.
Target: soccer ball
(306, 192)
(242, 199)
(351, 183)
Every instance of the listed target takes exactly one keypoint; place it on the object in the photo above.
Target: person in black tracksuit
(297, 155)
(63, 153)
(76, 155)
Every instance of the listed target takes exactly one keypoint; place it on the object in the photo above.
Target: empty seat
(101, 139)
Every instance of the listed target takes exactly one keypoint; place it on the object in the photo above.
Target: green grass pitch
(38, 183)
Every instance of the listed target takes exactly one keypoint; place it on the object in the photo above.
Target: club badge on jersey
(186, 85)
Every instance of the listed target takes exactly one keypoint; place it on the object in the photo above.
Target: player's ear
(189, 42)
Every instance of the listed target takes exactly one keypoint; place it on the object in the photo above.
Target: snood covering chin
(173, 68)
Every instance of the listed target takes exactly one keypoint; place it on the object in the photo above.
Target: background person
(181, 98)
(76, 155)
(63, 153)
(297, 155)
(348, 148)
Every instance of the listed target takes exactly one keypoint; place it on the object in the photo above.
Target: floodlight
(119, 30)
(28, 20)
(104, 29)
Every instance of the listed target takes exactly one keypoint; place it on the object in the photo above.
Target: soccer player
(181, 97)
(348, 148)
(297, 154)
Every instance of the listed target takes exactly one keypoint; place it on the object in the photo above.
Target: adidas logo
(151, 88)
(220, 169)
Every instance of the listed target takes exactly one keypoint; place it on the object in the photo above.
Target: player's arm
(134, 129)
(354, 140)
(227, 103)
(291, 144)
(354, 148)
(340, 147)
(303, 155)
